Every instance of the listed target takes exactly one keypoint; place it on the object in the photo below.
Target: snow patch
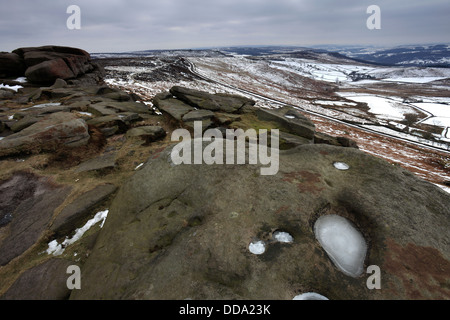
(21, 80)
(86, 113)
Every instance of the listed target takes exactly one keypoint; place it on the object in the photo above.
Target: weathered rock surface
(105, 161)
(148, 133)
(11, 65)
(57, 129)
(30, 201)
(183, 231)
(49, 71)
(46, 281)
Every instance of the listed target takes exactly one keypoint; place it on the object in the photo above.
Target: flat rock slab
(125, 106)
(173, 107)
(77, 211)
(46, 281)
(106, 161)
(197, 115)
(31, 216)
(288, 140)
(23, 123)
(149, 133)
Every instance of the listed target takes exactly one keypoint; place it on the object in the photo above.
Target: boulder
(55, 130)
(184, 231)
(11, 65)
(49, 71)
(45, 64)
(58, 49)
(214, 102)
(78, 64)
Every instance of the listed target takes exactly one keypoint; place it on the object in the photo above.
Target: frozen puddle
(310, 296)
(282, 236)
(344, 244)
(257, 247)
(341, 166)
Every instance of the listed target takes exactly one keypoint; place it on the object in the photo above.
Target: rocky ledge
(75, 152)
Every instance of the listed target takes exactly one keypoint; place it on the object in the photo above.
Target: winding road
(192, 68)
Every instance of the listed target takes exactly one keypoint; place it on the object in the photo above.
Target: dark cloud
(125, 25)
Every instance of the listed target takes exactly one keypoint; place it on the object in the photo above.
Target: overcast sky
(129, 25)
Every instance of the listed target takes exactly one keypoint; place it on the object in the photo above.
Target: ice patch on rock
(344, 244)
(257, 247)
(282, 236)
(341, 165)
(310, 296)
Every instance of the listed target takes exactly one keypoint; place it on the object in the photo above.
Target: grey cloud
(120, 25)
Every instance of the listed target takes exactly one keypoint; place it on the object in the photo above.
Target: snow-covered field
(342, 72)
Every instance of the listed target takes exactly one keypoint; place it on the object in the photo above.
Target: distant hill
(409, 56)
(437, 55)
